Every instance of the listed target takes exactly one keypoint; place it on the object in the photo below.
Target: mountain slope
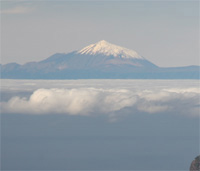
(101, 55)
(99, 60)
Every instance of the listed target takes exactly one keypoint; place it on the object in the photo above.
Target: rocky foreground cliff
(195, 165)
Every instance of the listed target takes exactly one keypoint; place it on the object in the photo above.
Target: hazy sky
(164, 32)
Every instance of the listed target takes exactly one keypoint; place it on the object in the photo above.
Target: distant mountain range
(101, 60)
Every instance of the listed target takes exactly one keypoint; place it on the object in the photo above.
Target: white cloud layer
(90, 101)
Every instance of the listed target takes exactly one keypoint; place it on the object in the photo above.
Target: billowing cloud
(17, 10)
(90, 101)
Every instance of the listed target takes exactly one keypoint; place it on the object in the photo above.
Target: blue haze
(59, 142)
(133, 140)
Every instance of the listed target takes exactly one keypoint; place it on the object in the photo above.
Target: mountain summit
(102, 56)
(99, 60)
(105, 48)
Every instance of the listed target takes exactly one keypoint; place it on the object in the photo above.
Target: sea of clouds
(91, 97)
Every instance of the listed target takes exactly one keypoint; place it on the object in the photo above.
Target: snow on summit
(108, 49)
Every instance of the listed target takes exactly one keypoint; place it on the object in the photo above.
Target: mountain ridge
(99, 60)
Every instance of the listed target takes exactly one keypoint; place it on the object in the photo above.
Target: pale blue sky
(164, 32)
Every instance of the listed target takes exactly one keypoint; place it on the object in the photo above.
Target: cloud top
(90, 101)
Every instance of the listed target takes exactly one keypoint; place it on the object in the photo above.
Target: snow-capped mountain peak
(108, 49)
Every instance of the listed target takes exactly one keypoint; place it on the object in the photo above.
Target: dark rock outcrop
(195, 165)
